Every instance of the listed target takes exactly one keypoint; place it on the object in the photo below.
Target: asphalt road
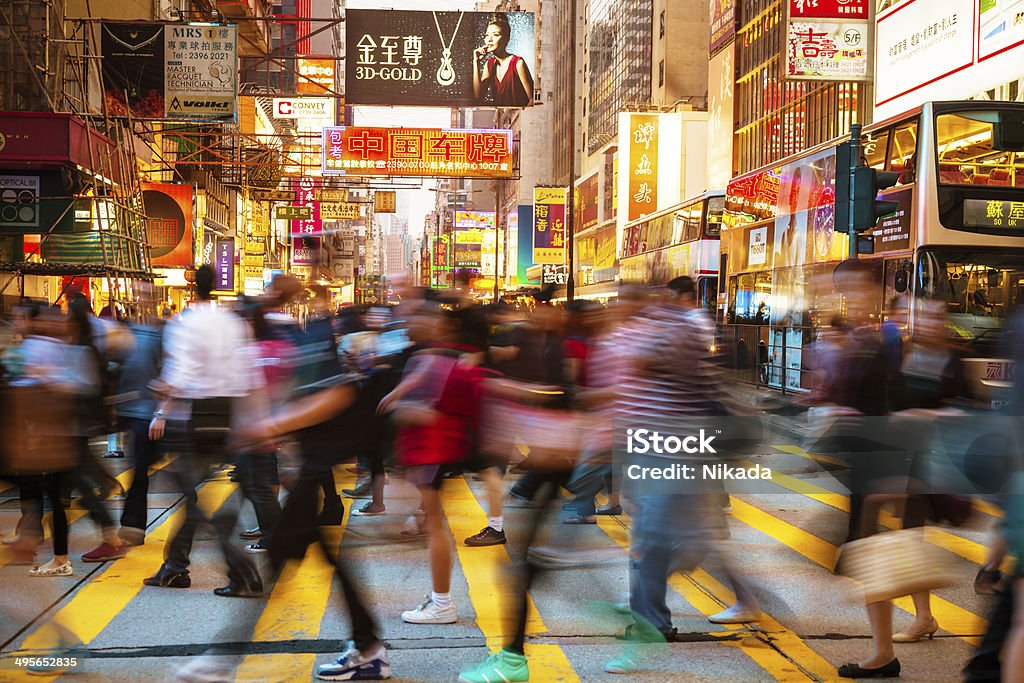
(782, 540)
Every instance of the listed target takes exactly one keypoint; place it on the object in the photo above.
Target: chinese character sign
(224, 263)
(549, 224)
(316, 76)
(829, 9)
(172, 71)
(722, 23)
(827, 51)
(305, 250)
(447, 59)
(169, 223)
(418, 152)
(305, 196)
(643, 165)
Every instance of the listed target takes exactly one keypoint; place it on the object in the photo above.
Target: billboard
(417, 152)
(472, 230)
(827, 40)
(721, 78)
(317, 76)
(170, 71)
(305, 250)
(549, 225)
(926, 53)
(586, 202)
(169, 223)
(316, 108)
(643, 165)
(722, 23)
(442, 59)
(224, 264)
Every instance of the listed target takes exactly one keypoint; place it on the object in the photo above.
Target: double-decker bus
(680, 240)
(958, 235)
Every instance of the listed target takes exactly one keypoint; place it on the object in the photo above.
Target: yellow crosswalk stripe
(706, 594)
(103, 598)
(484, 570)
(75, 512)
(295, 610)
(965, 548)
(952, 618)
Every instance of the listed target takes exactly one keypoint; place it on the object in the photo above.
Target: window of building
(661, 24)
(661, 72)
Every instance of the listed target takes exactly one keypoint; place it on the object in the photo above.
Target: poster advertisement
(586, 202)
(170, 71)
(305, 250)
(549, 225)
(418, 152)
(827, 51)
(723, 23)
(316, 76)
(443, 59)
(1000, 27)
(169, 223)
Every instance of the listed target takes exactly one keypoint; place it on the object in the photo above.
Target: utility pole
(570, 284)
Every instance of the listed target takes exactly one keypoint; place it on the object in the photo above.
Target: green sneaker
(624, 664)
(501, 667)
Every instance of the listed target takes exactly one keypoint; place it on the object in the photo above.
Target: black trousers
(207, 437)
(145, 454)
(985, 665)
(298, 529)
(257, 477)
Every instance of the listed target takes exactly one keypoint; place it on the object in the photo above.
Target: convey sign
(303, 108)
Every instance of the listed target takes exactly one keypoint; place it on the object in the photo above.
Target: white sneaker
(60, 570)
(429, 613)
(735, 615)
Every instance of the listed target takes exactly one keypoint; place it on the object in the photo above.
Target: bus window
(981, 289)
(716, 209)
(750, 298)
(903, 152)
(973, 148)
(707, 292)
(873, 146)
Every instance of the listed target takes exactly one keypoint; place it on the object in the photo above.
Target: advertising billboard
(169, 223)
(586, 202)
(170, 71)
(472, 230)
(722, 23)
(643, 165)
(549, 224)
(721, 78)
(924, 52)
(305, 250)
(827, 40)
(417, 152)
(317, 76)
(224, 264)
(443, 59)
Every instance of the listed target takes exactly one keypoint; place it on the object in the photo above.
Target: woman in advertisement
(506, 74)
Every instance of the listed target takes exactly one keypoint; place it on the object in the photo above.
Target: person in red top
(506, 74)
(436, 409)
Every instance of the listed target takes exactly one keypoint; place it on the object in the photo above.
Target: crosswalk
(790, 539)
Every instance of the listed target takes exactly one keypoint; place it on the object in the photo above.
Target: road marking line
(695, 589)
(97, 602)
(951, 618)
(75, 513)
(296, 608)
(484, 569)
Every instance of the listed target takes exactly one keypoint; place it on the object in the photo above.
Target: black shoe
(986, 581)
(331, 516)
(238, 591)
(360, 491)
(487, 536)
(890, 670)
(166, 578)
(611, 510)
(114, 454)
(251, 533)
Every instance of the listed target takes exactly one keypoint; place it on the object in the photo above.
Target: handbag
(38, 426)
(892, 564)
(549, 440)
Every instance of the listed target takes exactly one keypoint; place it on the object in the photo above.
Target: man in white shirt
(208, 371)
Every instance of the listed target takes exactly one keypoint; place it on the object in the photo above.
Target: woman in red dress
(506, 73)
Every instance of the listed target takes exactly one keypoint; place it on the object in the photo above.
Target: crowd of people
(536, 399)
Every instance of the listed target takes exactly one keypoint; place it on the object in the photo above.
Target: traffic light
(867, 183)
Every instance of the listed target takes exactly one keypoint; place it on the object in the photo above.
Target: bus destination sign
(993, 213)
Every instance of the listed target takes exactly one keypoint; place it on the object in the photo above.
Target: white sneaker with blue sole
(353, 665)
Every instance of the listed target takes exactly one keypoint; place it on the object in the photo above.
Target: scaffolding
(50, 64)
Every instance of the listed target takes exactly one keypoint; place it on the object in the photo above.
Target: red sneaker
(105, 552)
